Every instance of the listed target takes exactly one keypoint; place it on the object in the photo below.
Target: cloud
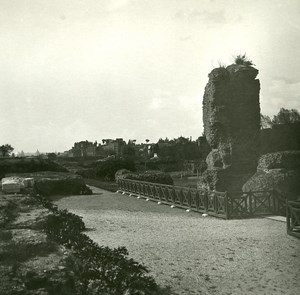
(171, 115)
(185, 38)
(286, 80)
(115, 5)
(204, 16)
(156, 103)
(280, 94)
(236, 19)
(209, 17)
(161, 99)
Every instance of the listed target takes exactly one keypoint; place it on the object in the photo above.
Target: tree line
(284, 116)
(6, 150)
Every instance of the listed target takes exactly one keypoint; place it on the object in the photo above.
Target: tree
(286, 116)
(129, 152)
(52, 156)
(265, 122)
(6, 149)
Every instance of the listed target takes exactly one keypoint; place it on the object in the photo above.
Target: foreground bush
(151, 176)
(96, 269)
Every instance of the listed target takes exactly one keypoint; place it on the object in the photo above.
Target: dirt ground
(190, 253)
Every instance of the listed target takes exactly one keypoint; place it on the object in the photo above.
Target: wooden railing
(293, 218)
(226, 205)
(255, 203)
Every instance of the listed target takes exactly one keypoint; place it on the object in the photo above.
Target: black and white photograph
(149, 147)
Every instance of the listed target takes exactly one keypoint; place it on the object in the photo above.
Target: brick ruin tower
(231, 117)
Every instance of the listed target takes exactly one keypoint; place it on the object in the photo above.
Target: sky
(73, 70)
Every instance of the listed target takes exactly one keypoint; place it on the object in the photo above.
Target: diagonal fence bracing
(227, 205)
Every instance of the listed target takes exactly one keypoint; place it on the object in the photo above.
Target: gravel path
(190, 253)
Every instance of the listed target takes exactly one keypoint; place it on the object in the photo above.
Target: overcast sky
(73, 70)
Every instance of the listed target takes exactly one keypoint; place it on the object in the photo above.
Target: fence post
(250, 202)
(205, 199)
(226, 205)
(275, 202)
(288, 217)
(189, 197)
(216, 207)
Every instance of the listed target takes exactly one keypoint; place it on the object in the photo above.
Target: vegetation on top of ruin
(221, 65)
(242, 59)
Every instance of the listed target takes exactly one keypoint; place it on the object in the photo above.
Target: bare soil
(190, 253)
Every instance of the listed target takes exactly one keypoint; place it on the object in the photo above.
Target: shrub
(151, 176)
(7, 212)
(121, 173)
(60, 184)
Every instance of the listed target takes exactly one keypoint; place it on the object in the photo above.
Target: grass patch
(13, 252)
(8, 212)
(5, 235)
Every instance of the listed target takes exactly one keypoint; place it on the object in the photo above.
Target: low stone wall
(56, 183)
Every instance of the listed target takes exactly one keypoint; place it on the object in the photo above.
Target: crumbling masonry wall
(231, 117)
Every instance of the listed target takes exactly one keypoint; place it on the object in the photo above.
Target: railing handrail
(172, 186)
(294, 203)
(230, 204)
(202, 190)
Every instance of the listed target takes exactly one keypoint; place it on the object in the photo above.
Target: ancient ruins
(231, 117)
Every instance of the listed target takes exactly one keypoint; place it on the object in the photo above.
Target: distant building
(84, 149)
(114, 146)
(91, 151)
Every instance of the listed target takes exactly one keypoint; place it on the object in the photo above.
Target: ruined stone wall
(231, 117)
(279, 171)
